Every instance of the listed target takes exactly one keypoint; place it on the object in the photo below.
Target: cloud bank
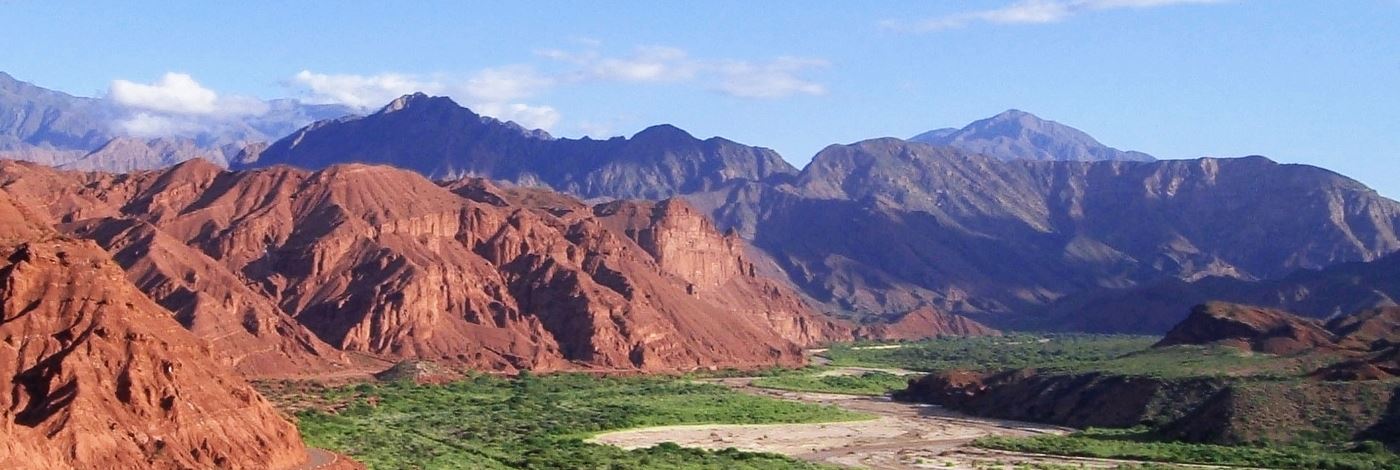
(512, 92)
(177, 105)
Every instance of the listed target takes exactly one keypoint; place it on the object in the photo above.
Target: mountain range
(56, 128)
(886, 226)
(437, 138)
(1013, 220)
(145, 279)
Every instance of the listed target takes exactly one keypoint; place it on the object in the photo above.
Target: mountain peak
(1018, 135)
(1014, 114)
(416, 100)
(664, 132)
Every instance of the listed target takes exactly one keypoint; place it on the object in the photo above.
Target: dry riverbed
(901, 436)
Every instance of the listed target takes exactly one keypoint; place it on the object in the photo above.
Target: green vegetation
(991, 353)
(1074, 353)
(1139, 444)
(537, 422)
(872, 383)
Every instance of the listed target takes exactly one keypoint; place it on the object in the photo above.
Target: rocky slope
(924, 323)
(126, 154)
(436, 137)
(1250, 328)
(31, 116)
(1353, 397)
(96, 375)
(383, 262)
(1153, 307)
(970, 234)
(1018, 135)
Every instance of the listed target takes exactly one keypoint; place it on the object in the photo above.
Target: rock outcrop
(96, 375)
(1371, 332)
(925, 323)
(1250, 328)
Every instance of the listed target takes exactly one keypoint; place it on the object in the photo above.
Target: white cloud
(178, 105)
(155, 125)
(178, 93)
(496, 92)
(510, 92)
(533, 117)
(361, 91)
(1030, 12)
(767, 80)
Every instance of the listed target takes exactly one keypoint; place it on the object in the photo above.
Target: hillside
(382, 262)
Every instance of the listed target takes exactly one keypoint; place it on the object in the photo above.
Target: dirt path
(321, 459)
(902, 436)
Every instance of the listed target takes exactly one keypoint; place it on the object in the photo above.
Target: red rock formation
(1252, 328)
(383, 262)
(96, 375)
(1369, 329)
(926, 322)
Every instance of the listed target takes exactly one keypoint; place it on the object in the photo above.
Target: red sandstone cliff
(96, 375)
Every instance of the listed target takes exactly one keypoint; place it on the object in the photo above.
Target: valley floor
(903, 436)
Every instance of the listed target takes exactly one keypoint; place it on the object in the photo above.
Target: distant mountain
(31, 116)
(126, 154)
(436, 137)
(1018, 135)
(1153, 307)
(886, 226)
(55, 128)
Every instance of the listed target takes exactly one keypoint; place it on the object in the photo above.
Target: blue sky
(1313, 82)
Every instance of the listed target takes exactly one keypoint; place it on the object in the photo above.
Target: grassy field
(535, 422)
(1136, 444)
(991, 353)
(872, 383)
(1071, 353)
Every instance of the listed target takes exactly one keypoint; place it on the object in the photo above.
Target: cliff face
(96, 375)
(284, 267)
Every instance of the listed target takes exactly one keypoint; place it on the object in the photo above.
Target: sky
(1315, 82)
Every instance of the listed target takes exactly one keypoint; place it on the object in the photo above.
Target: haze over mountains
(56, 128)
